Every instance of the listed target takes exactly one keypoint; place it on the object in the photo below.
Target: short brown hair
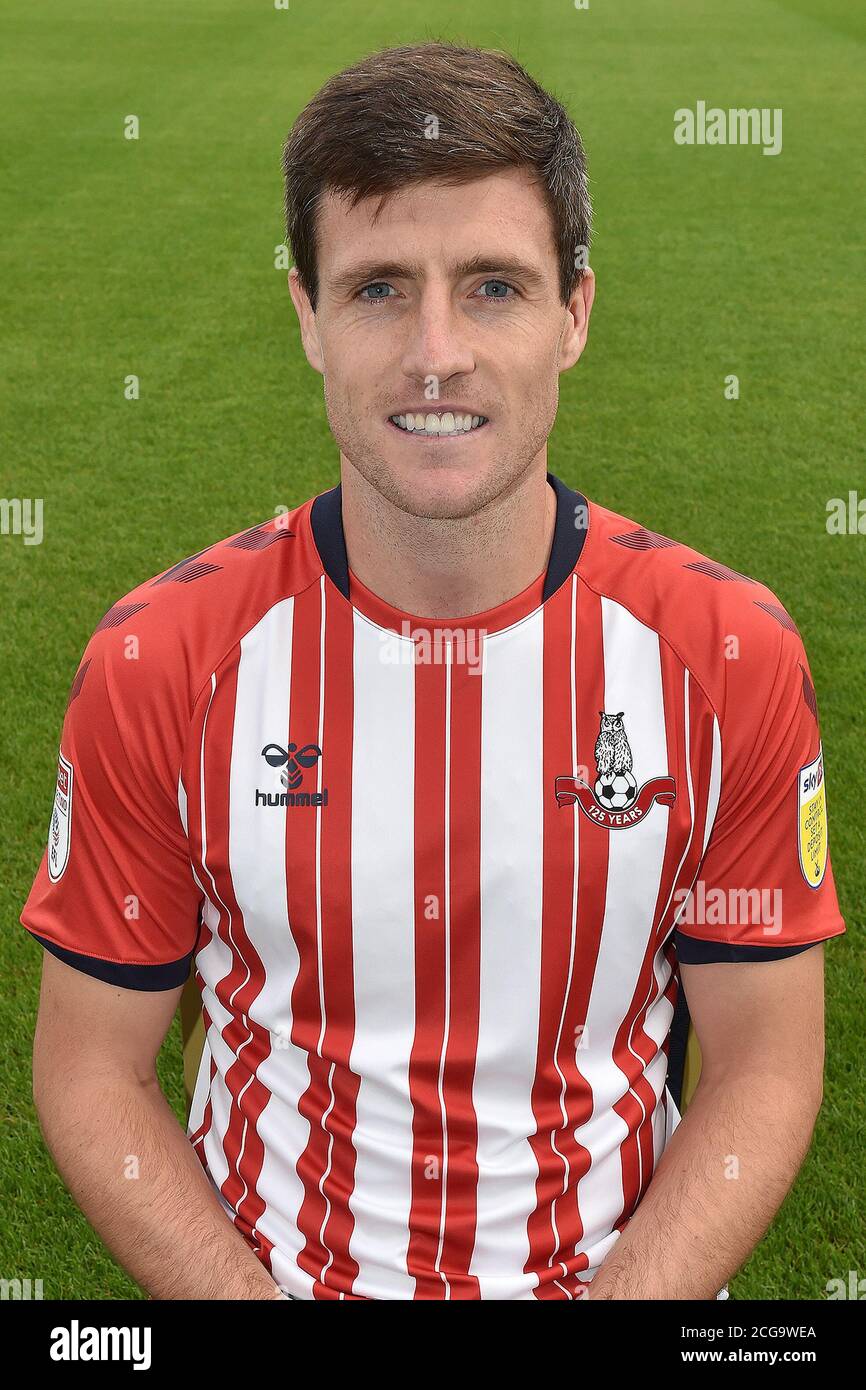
(363, 134)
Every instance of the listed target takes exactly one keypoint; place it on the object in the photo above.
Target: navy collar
(569, 535)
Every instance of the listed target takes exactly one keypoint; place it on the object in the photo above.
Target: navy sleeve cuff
(691, 951)
(147, 977)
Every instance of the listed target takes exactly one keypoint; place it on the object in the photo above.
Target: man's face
(446, 306)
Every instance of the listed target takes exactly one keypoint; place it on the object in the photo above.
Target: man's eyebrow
(365, 272)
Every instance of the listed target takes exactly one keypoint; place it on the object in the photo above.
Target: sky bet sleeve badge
(812, 820)
(617, 801)
(61, 821)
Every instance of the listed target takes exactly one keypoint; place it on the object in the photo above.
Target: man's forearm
(132, 1171)
(720, 1181)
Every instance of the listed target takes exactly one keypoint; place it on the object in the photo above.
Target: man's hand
(119, 1147)
(734, 1156)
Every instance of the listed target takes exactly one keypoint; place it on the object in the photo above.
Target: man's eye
(374, 298)
(501, 285)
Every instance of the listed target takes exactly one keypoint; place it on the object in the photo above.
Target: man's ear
(307, 320)
(578, 310)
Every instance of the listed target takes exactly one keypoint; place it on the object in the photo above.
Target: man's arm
(734, 1156)
(105, 1118)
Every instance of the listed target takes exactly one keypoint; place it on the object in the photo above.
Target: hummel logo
(294, 761)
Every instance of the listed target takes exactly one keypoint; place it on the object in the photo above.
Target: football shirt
(434, 879)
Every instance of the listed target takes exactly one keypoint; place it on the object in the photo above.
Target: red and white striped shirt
(434, 879)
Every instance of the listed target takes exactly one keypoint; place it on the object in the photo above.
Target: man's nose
(438, 340)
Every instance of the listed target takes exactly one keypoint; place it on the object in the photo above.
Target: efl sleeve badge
(812, 821)
(61, 821)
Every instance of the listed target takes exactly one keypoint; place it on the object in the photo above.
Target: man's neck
(447, 568)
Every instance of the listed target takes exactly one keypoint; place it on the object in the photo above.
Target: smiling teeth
(439, 424)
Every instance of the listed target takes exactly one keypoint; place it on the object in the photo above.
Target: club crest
(615, 800)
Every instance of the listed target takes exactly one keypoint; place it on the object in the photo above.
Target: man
(443, 781)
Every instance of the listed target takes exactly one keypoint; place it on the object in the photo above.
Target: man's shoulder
(709, 613)
(175, 627)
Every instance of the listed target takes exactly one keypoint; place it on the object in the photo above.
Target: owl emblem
(615, 787)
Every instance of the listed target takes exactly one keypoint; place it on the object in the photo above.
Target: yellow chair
(692, 1068)
(684, 1055)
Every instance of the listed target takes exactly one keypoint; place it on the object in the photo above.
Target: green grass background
(155, 257)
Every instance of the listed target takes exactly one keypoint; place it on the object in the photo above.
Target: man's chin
(435, 489)
(440, 493)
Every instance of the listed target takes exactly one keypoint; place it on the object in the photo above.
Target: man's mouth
(446, 424)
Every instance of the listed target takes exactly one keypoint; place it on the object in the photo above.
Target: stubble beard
(436, 500)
